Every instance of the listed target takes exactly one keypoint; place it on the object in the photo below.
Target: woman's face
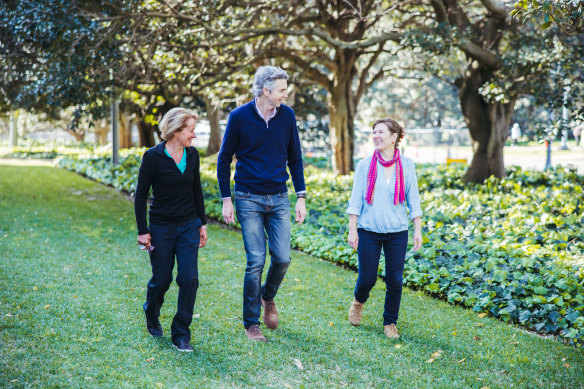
(383, 139)
(187, 134)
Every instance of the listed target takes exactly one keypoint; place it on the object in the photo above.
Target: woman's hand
(144, 239)
(353, 238)
(417, 239)
(203, 233)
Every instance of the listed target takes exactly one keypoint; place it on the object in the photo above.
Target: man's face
(279, 93)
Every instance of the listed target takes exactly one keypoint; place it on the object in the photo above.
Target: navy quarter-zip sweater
(176, 196)
(261, 151)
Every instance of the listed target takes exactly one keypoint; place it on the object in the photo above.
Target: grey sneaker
(183, 345)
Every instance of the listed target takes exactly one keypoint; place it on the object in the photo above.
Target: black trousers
(170, 241)
(369, 252)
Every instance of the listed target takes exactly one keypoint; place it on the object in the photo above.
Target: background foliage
(511, 248)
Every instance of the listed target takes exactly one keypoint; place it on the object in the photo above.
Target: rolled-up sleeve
(412, 193)
(357, 194)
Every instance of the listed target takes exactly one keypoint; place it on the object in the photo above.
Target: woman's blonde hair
(174, 121)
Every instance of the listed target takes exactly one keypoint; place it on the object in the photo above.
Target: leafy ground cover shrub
(30, 149)
(510, 248)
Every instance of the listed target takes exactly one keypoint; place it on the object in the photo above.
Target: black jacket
(176, 196)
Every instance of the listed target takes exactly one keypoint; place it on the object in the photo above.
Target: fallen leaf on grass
(298, 364)
(47, 306)
(462, 360)
(436, 354)
(149, 359)
(485, 387)
(454, 333)
(476, 338)
(13, 381)
(330, 323)
(398, 346)
(479, 324)
(481, 315)
(567, 365)
(35, 288)
(203, 259)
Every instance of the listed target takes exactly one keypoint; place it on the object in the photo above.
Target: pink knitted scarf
(400, 195)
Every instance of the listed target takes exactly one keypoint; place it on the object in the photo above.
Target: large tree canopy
(334, 44)
(160, 54)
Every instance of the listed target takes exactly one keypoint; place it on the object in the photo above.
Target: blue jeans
(260, 215)
(180, 240)
(368, 252)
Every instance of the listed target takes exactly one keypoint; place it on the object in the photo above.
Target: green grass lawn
(72, 283)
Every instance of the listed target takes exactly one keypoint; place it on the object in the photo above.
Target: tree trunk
(341, 114)
(488, 124)
(79, 136)
(125, 130)
(101, 130)
(213, 114)
(14, 128)
(146, 132)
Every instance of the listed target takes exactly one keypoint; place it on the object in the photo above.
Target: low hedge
(511, 248)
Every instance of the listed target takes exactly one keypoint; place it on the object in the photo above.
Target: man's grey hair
(265, 77)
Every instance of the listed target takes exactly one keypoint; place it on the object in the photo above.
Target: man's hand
(203, 235)
(228, 212)
(300, 210)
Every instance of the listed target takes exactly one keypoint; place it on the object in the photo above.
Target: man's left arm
(297, 172)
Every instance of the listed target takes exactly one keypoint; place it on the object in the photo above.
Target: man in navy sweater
(263, 136)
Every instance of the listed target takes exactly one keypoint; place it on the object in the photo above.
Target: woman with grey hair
(177, 222)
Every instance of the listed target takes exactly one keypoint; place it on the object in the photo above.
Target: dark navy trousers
(170, 241)
(369, 251)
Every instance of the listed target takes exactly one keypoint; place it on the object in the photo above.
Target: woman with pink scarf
(384, 199)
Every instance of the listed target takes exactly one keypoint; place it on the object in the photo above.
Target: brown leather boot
(355, 312)
(390, 330)
(270, 314)
(254, 333)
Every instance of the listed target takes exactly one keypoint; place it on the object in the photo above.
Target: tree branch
(483, 56)
(497, 8)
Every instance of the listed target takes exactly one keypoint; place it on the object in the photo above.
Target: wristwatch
(205, 226)
(301, 195)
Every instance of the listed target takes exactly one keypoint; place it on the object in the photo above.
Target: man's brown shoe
(355, 312)
(254, 333)
(270, 314)
(390, 331)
